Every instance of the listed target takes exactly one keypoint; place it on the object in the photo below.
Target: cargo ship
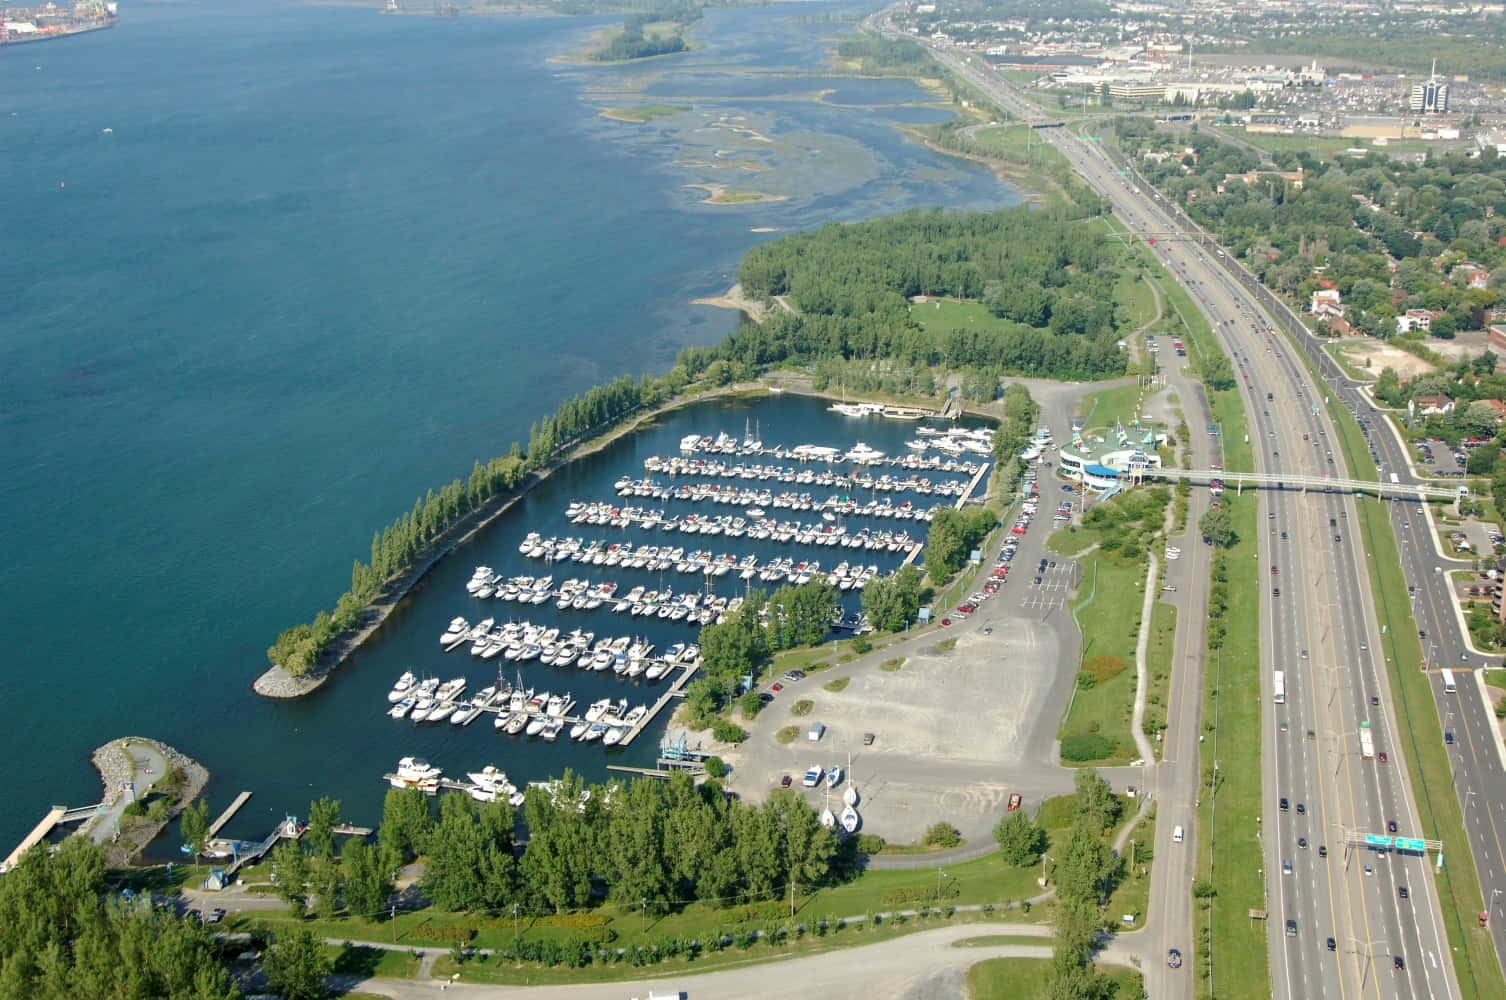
(41, 24)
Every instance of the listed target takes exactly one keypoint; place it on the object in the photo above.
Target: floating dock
(230, 811)
(676, 690)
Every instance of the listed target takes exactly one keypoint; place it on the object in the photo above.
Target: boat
(850, 819)
(552, 729)
(579, 729)
(416, 769)
(850, 793)
(402, 708)
(632, 718)
(516, 723)
(834, 776)
(457, 630)
(421, 710)
(594, 732)
(827, 818)
(536, 725)
(614, 736)
(400, 689)
(598, 709)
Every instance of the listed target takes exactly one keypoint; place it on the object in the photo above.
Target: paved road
(927, 965)
(1332, 622)
(150, 766)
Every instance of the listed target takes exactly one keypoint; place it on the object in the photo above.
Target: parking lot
(1057, 582)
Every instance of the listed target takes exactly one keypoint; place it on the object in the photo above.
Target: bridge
(1284, 480)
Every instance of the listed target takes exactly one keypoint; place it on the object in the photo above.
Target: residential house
(1327, 302)
(1430, 406)
(1416, 319)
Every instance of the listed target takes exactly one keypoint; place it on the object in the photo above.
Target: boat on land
(850, 819)
(834, 776)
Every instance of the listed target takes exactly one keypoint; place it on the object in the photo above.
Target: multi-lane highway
(1346, 920)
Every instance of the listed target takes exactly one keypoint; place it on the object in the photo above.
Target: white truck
(1367, 743)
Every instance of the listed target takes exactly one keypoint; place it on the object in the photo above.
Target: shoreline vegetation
(1045, 278)
(718, 194)
(644, 112)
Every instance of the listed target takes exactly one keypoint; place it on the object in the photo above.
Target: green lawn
(1495, 678)
(1000, 978)
(1099, 410)
(1108, 611)
(1324, 146)
(957, 314)
(1163, 636)
(1137, 306)
(1132, 895)
(1228, 851)
(1018, 144)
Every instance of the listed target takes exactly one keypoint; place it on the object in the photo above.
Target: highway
(1318, 627)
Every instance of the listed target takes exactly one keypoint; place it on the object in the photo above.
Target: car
(1286, 866)
(215, 916)
(1382, 757)
(812, 776)
(1375, 699)
(794, 675)
(965, 609)
(1291, 928)
(1332, 945)
(1302, 842)
(945, 622)
(1322, 850)
(1014, 801)
(1273, 570)
(777, 688)
(1369, 870)
(1301, 809)
(1402, 893)
(194, 915)
(1448, 737)
(786, 781)
(1337, 538)
(1398, 962)
(1037, 580)
(868, 739)
(1173, 959)
(1283, 803)
(1283, 536)
(1275, 591)
(1390, 826)
(1463, 656)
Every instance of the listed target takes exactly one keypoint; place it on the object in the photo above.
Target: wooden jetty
(41, 830)
(288, 829)
(230, 811)
(676, 690)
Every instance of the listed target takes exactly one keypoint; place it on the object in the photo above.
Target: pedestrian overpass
(1305, 484)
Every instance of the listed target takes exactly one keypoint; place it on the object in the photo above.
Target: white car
(812, 777)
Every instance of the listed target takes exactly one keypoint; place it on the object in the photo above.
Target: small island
(644, 112)
(717, 194)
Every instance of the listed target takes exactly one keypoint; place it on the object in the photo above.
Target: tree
(296, 965)
(406, 821)
(1094, 800)
(1019, 838)
(367, 886)
(292, 868)
(1082, 864)
(195, 826)
(324, 880)
(1217, 526)
(324, 816)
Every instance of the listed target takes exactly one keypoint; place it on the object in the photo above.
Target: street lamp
(1044, 859)
(939, 876)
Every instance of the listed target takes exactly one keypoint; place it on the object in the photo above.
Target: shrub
(1087, 746)
(751, 704)
(861, 645)
(728, 732)
(802, 707)
(943, 834)
(137, 808)
(1086, 680)
(869, 843)
(1104, 667)
(889, 666)
(715, 767)
(838, 684)
(787, 734)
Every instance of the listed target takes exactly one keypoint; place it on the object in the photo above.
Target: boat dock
(230, 811)
(972, 485)
(41, 830)
(675, 690)
(288, 829)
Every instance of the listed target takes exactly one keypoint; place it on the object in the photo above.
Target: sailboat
(850, 819)
(827, 818)
(850, 795)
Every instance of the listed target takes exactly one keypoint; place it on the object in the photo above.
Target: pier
(230, 811)
(53, 818)
(288, 829)
(675, 690)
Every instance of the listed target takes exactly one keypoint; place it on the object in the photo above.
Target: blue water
(323, 260)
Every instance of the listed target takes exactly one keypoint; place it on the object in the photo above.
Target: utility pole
(394, 923)
(515, 924)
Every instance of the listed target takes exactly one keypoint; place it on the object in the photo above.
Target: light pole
(1044, 859)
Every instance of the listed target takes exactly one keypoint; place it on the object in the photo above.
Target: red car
(784, 782)
(965, 609)
(777, 688)
(946, 621)
(1014, 802)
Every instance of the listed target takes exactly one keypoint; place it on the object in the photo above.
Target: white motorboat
(552, 729)
(613, 736)
(422, 709)
(579, 729)
(598, 709)
(536, 725)
(416, 769)
(402, 708)
(457, 630)
(638, 712)
(401, 689)
(594, 732)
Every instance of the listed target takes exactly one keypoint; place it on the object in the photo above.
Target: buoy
(62, 184)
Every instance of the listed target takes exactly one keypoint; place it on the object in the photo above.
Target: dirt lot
(1382, 355)
(930, 761)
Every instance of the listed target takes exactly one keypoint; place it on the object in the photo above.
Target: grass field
(957, 314)
(1228, 851)
(1108, 611)
(1137, 306)
(1018, 144)
(998, 978)
(1163, 637)
(1323, 146)
(1100, 409)
(1132, 895)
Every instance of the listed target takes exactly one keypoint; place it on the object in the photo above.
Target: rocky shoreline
(116, 767)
